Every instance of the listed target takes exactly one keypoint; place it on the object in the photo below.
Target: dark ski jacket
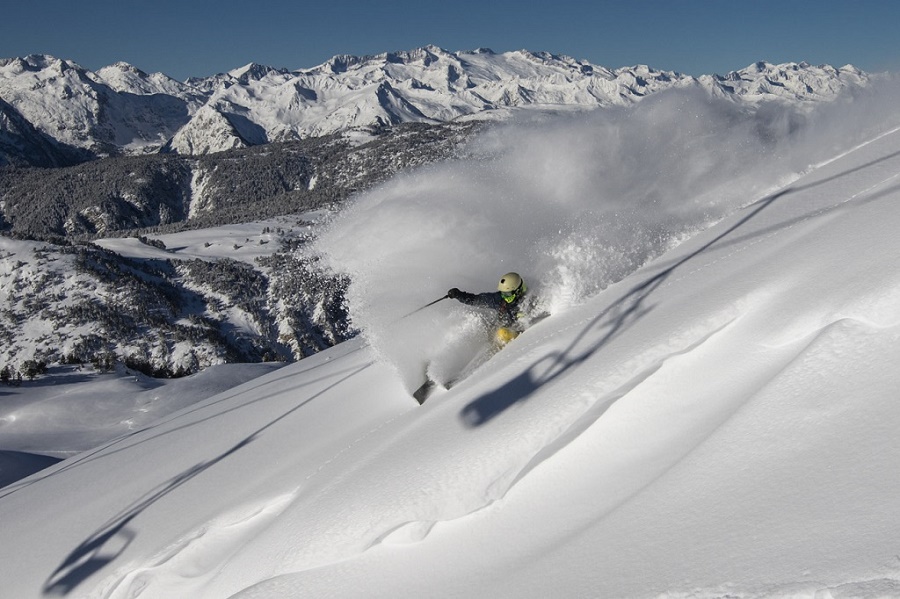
(508, 313)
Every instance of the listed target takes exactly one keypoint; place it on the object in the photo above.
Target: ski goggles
(510, 296)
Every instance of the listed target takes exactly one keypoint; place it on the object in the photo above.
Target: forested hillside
(119, 194)
(63, 298)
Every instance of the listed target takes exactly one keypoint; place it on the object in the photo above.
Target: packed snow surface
(710, 410)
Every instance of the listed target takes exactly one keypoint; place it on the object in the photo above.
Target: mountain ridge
(120, 109)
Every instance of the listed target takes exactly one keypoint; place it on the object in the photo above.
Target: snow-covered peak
(208, 131)
(254, 72)
(126, 78)
(38, 62)
(800, 82)
(123, 67)
(116, 109)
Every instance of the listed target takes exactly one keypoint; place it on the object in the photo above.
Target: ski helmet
(510, 282)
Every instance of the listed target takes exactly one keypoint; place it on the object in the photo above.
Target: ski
(478, 360)
(422, 393)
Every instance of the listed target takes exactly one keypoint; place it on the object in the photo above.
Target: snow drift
(715, 417)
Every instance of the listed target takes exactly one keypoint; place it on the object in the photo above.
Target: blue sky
(184, 38)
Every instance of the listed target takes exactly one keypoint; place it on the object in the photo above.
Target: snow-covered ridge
(117, 109)
(120, 108)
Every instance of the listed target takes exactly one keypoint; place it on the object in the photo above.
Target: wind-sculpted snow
(572, 203)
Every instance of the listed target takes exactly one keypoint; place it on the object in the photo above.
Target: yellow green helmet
(510, 282)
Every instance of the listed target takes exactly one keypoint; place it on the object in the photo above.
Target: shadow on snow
(622, 313)
(111, 540)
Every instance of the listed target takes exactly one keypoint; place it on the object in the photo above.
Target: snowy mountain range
(53, 111)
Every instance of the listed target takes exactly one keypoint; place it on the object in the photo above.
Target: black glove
(453, 293)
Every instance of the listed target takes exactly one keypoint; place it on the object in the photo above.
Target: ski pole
(425, 306)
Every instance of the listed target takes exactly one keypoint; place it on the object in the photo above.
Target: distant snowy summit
(121, 109)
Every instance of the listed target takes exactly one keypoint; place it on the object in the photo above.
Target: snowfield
(711, 410)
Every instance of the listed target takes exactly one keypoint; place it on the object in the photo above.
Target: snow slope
(74, 409)
(716, 418)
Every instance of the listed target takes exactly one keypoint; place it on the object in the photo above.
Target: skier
(508, 302)
(512, 314)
